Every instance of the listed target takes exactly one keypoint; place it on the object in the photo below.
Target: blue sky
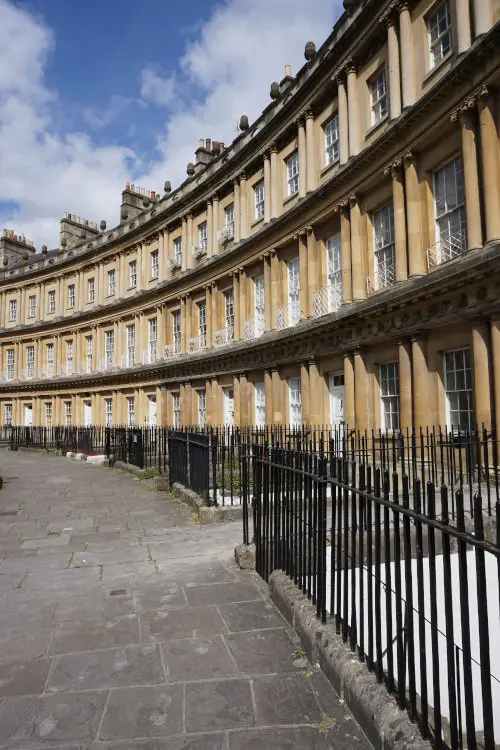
(96, 92)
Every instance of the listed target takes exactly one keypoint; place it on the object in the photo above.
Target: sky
(95, 93)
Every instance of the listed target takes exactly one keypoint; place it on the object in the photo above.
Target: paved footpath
(124, 625)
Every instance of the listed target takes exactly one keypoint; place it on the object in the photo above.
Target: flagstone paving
(125, 625)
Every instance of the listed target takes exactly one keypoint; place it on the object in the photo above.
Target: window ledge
(374, 128)
(290, 198)
(256, 222)
(433, 71)
(328, 167)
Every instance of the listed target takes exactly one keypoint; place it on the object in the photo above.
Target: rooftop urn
(44, 249)
(167, 187)
(190, 169)
(244, 125)
(102, 225)
(275, 90)
(309, 51)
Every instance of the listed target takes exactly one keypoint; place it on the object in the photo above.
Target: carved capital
(394, 169)
(309, 114)
(242, 175)
(353, 199)
(339, 77)
(350, 65)
(388, 18)
(409, 158)
(273, 148)
(300, 121)
(402, 5)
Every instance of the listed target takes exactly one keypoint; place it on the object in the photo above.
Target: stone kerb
(207, 514)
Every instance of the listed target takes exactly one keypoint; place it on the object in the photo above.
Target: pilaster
(349, 392)
(358, 250)
(305, 393)
(268, 299)
(389, 20)
(482, 374)
(301, 138)
(407, 57)
(345, 245)
(237, 216)
(210, 230)
(405, 386)
(490, 163)
(416, 260)
(310, 160)
(420, 382)
(303, 271)
(267, 187)
(274, 181)
(468, 126)
(353, 107)
(464, 36)
(343, 119)
(268, 389)
(398, 202)
(243, 206)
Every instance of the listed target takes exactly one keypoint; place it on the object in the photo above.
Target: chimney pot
(208, 143)
(288, 70)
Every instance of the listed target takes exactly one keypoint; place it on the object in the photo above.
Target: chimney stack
(134, 200)
(14, 246)
(75, 230)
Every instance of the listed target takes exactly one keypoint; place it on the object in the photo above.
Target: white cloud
(225, 72)
(98, 118)
(157, 90)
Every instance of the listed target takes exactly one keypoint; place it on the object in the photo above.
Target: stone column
(210, 231)
(312, 265)
(183, 324)
(268, 318)
(275, 287)
(245, 401)
(394, 65)
(316, 395)
(482, 16)
(343, 120)
(301, 138)
(184, 243)
(405, 387)
(467, 117)
(420, 382)
(189, 321)
(482, 374)
(353, 108)
(349, 393)
(274, 181)
(358, 251)
(463, 26)
(310, 160)
(398, 202)
(417, 263)
(268, 390)
(215, 224)
(236, 299)
(215, 317)
(303, 272)
(305, 393)
(345, 239)
(236, 204)
(242, 302)
(276, 399)
(490, 163)
(243, 207)
(495, 356)
(267, 187)
(190, 243)
(407, 61)
(363, 397)
(208, 303)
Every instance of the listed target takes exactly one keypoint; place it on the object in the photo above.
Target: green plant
(227, 476)
(150, 473)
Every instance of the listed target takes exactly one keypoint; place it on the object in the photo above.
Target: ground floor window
(458, 390)
(109, 411)
(130, 410)
(7, 415)
(176, 409)
(295, 402)
(67, 413)
(48, 414)
(260, 405)
(389, 396)
(202, 408)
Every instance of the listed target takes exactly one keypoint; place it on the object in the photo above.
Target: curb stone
(385, 725)
(207, 514)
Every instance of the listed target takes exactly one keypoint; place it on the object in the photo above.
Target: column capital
(309, 113)
(466, 113)
(350, 65)
(353, 199)
(209, 202)
(410, 157)
(483, 97)
(300, 121)
(394, 168)
(419, 337)
(242, 175)
(388, 18)
(215, 196)
(339, 77)
(273, 148)
(402, 5)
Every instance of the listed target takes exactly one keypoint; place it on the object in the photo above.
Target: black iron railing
(412, 592)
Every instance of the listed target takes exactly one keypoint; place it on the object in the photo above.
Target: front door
(228, 406)
(152, 411)
(87, 413)
(336, 387)
(28, 415)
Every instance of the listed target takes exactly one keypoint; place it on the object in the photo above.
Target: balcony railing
(197, 343)
(252, 328)
(226, 233)
(172, 350)
(448, 246)
(287, 316)
(327, 300)
(224, 336)
(200, 250)
(384, 276)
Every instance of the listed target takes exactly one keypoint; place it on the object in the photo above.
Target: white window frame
(48, 414)
(89, 353)
(203, 236)
(260, 404)
(11, 362)
(32, 306)
(378, 96)
(177, 331)
(384, 249)
(450, 217)
(228, 406)
(229, 313)
(152, 339)
(71, 296)
(293, 174)
(109, 349)
(202, 322)
(390, 417)
(155, 264)
(259, 194)
(132, 274)
(176, 409)
(458, 384)
(12, 310)
(259, 305)
(91, 290)
(229, 218)
(68, 418)
(293, 278)
(30, 361)
(178, 250)
(130, 334)
(334, 271)
(109, 411)
(440, 34)
(295, 402)
(52, 301)
(130, 410)
(332, 142)
(7, 415)
(202, 408)
(111, 282)
(50, 360)
(69, 356)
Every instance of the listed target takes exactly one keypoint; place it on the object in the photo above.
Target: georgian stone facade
(339, 261)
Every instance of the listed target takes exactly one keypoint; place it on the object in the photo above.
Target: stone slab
(158, 596)
(262, 651)
(134, 665)
(300, 738)
(224, 704)
(221, 593)
(285, 699)
(86, 636)
(258, 615)
(198, 659)
(23, 678)
(215, 741)
(143, 712)
(51, 541)
(181, 623)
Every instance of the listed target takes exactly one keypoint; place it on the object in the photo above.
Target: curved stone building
(339, 261)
